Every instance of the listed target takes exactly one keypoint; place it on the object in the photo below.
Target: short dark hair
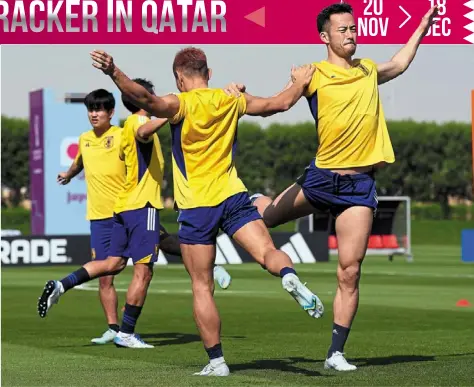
(325, 15)
(192, 61)
(100, 99)
(127, 102)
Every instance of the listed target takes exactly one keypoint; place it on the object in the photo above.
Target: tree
(15, 157)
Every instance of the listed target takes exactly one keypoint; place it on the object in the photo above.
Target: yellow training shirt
(346, 106)
(144, 165)
(204, 139)
(104, 171)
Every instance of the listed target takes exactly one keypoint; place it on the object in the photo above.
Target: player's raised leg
(142, 243)
(170, 244)
(53, 290)
(246, 226)
(291, 204)
(353, 228)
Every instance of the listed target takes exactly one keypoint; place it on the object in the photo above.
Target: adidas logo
(298, 250)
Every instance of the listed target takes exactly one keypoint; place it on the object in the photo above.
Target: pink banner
(222, 21)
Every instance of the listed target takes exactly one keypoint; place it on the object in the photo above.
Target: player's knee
(106, 283)
(202, 284)
(348, 276)
(115, 264)
(143, 273)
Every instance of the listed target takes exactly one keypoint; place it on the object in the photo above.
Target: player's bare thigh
(199, 262)
(291, 204)
(255, 238)
(353, 227)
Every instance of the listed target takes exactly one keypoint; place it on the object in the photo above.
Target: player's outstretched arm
(74, 170)
(283, 101)
(162, 107)
(145, 131)
(403, 58)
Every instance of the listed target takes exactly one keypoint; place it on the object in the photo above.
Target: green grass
(408, 330)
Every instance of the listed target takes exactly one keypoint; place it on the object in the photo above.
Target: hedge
(433, 161)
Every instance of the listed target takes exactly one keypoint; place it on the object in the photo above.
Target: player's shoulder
(366, 63)
(87, 135)
(135, 119)
(116, 129)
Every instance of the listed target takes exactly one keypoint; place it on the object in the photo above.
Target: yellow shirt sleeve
(78, 159)
(182, 109)
(242, 105)
(134, 123)
(313, 85)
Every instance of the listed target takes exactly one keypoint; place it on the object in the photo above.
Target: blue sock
(215, 351)
(287, 270)
(339, 337)
(76, 278)
(130, 317)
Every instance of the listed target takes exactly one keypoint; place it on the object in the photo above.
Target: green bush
(435, 212)
(16, 219)
(433, 162)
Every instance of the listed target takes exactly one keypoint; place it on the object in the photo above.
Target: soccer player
(344, 100)
(146, 128)
(208, 191)
(98, 155)
(135, 230)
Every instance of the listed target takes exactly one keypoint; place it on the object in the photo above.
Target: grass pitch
(408, 331)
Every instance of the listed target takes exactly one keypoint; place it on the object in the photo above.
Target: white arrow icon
(408, 17)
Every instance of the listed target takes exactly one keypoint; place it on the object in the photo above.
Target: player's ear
(324, 37)
(111, 113)
(209, 74)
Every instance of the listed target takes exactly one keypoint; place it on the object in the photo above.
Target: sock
(287, 270)
(76, 278)
(114, 327)
(339, 337)
(130, 317)
(215, 354)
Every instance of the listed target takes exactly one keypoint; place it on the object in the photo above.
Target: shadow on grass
(292, 364)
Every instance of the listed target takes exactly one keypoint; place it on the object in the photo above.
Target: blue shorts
(200, 226)
(101, 235)
(326, 190)
(136, 234)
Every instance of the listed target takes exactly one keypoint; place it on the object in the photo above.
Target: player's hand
(103, 61)
(428, 19)
(235, 89)
(63, 178)
(303, 74)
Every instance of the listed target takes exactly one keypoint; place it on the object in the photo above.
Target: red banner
(222, 21)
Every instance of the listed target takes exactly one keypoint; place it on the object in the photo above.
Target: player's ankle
(216, 356)
(287, 270)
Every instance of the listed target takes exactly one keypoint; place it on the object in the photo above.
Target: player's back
(144, 168)
(104, 171)
(204, 139)
(346, 106)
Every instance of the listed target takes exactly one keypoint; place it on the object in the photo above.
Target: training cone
(463, 303)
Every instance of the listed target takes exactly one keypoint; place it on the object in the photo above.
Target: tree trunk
(445, 208)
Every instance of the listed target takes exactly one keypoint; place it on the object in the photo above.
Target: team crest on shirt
(93, 253)
(109, 142)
